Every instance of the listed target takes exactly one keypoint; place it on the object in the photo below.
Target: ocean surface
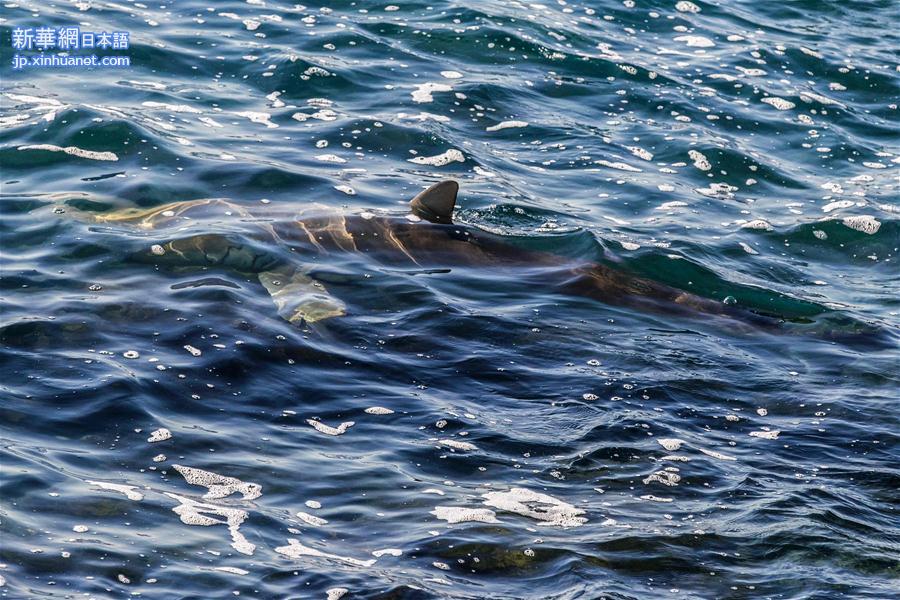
(473, 431)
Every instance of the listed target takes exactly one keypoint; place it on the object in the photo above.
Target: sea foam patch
(670, 444)
(457, 444)
(160, 435)
(311, 519)
(192, 512)
(328, 430)
(536, 505)
(864, 223)
(700, 160)
(219, 486)
(507, 125)
(461, 514)
(72, 151)
(440, 160)
(423, 92)
(128, 490)
(295, 550)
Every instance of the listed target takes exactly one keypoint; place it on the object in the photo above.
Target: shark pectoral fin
(300, 298)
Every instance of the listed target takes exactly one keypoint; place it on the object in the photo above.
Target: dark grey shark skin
(428, 238)
(425, 239)
(397, 242)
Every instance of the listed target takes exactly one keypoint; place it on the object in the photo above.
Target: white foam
(757, 224)
(695, 41)
(273, 98)
(331, 158)
(219, 486)
(808, 96)
(192, 512)
(345, 189)
(232, 570)
(865, 223)
(717, 190)
(811, 52)
(715, 454)
(507, 125)
(451, 74)
(541, 507)
(295, 549)
(423, 92)
(160, 435)
(326, 114)
(700, 161)
(670, 444)
(665, 477)
(837, 205)
(640, 152)
(779, 103)
(653, 498)
(73, 151)
(128, 490)
(461, 514)
(379, 410)
(311, 519)
(619, 166)
(14, 120)
(258, 117)
(24, 99)
(338, 592)
(766, 435)
(424, 116)
(671, 205)
(80, 528)
(178, 108)
(193, 351)
(210, 122)
(452, 155)
(686, 7)
(328, 430)
(457, 445)
(751, 72)
(387, 552)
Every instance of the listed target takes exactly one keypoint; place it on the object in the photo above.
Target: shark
(424, 239)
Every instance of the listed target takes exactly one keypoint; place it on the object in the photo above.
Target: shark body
(426, 238)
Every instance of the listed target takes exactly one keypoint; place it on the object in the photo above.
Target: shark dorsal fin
(437, 202)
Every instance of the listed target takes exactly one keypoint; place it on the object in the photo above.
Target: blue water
(746, 153)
